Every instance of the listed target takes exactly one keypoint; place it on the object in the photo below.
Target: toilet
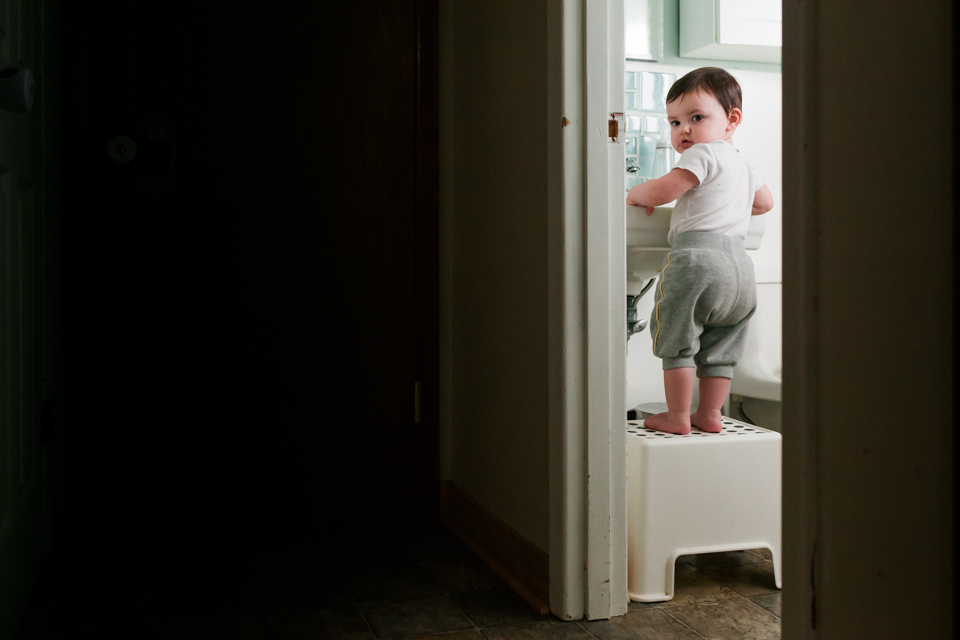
(757, 379)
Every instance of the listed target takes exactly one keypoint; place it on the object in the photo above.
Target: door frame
(586, 312)
(801, 258)
(25, 210)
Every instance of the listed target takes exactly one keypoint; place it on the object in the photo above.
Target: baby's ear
(734, 118)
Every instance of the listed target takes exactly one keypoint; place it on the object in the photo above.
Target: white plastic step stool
(698, 493)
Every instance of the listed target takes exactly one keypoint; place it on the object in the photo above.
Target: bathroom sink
(648, 231)
(647, 242)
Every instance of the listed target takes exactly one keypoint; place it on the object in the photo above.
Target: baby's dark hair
(713, 80)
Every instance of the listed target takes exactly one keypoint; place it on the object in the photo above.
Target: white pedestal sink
(647, 242)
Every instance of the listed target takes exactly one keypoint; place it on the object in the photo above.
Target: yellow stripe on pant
(663, 273)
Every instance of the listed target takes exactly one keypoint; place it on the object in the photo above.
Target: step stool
(698, 493)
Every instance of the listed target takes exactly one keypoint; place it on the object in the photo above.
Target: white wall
(759, 139)
(494, 258)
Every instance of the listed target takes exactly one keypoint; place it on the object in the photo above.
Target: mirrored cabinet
(739, 30)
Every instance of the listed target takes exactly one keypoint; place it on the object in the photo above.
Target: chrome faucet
(635, 324)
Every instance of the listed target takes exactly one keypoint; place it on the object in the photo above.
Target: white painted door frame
(587, 304)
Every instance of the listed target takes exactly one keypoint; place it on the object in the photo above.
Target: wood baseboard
(519, 562)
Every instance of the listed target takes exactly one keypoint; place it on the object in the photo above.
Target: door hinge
(615, 126)
(416, 402)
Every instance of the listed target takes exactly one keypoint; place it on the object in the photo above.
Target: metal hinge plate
(615, 126)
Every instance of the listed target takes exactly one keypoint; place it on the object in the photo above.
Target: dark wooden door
(21, 362)
(252, 298)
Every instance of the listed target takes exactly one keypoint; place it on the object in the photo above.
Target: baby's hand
(648, 207)
(632, 201)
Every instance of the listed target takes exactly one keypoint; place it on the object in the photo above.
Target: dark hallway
(244, 282)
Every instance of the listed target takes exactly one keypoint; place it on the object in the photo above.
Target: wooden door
(20, 322)
(252, 298)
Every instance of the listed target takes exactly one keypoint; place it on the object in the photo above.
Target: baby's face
(697, 118)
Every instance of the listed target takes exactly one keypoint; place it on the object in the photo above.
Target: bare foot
(662, 422)
(709, 422)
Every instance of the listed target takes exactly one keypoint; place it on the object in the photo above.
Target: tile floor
(405, 582)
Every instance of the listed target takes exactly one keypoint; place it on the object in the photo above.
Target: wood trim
(520, 563)
(801, 339)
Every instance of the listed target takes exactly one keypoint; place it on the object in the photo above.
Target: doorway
(250, 270)
(587, 440)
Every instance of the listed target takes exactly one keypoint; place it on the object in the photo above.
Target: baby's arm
(762, 201)
(654, 193)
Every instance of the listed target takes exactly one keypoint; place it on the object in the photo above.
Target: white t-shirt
(723, 200)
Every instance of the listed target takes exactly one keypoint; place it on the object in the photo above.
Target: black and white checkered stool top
(731, 427)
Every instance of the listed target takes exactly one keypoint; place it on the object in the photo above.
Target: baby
(707, 290)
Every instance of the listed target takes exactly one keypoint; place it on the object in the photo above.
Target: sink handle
(639, 326)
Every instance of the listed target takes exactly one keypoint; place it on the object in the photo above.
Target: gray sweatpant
(704, 299)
